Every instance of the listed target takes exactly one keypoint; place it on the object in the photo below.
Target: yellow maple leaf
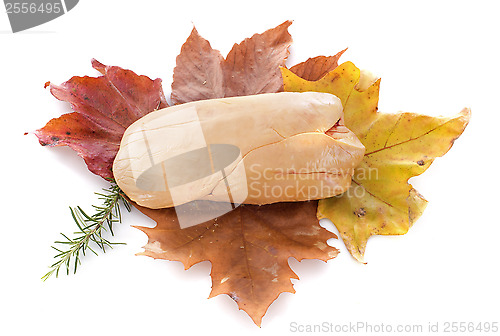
(380, 200)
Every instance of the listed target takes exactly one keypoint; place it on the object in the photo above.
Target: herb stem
(90, 230)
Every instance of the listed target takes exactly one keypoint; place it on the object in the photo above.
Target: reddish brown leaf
(251, 67)
(316, 68)
(198, 72)
(248, 248)
(104, 107)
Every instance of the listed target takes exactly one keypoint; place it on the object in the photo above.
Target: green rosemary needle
(90, 231)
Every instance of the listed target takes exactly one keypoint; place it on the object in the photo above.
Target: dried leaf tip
(317, 67)
(98, 66)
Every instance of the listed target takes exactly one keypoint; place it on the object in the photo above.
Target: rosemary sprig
(90, 231)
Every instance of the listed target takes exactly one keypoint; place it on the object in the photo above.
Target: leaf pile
(250, 246)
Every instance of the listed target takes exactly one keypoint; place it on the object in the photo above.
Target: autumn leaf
(248, 248)
(251, 67)
(380, 200)
(103, 108)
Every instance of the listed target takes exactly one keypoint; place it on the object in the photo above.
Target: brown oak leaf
(103, 108)
(251, 67)
(248, 248)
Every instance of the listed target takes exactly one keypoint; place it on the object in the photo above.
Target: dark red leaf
(104, 107)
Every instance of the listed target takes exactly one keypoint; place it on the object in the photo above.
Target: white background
(434, 58)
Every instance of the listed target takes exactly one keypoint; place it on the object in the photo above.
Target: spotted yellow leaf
(380, 200)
